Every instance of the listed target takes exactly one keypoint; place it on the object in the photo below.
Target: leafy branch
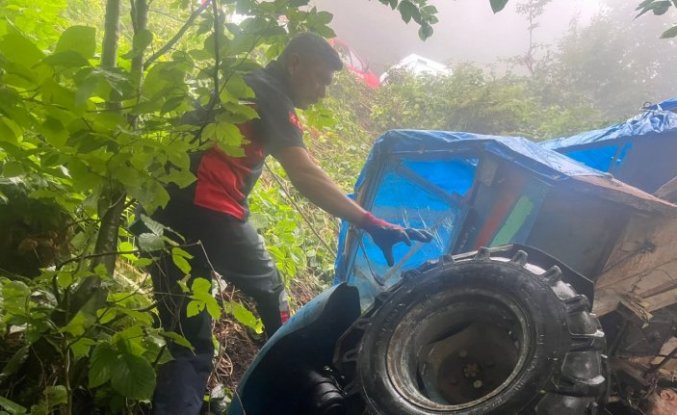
(179, 34)
(657, 7)
(424, 14)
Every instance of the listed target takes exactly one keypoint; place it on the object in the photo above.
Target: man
(214, 211)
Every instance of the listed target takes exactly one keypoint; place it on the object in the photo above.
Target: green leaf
(55, 133)
(141, 41)
(672, 32)
(658, 7)
(19, 49)
(143, 262)
(324, 17)
(82, 347)
(409, 11)
(64, 279)
(213, 308)
(154, 226)
(194, 308)
(67, 59)
(106, 314)
(133, 376)
(52, 396)
(79, 39)
(430, 10)
(661, 7)
(126, 247)
(644, 4)
(498, 5)
(15, 295)
(227, 135)
(129, 340)
(83, 177)
(137, 316)
(391, 3)
(12, 169)
(56, 394)
(78, 324)
(12, 407)
(183, 284)
(236, 89)
(54, 93)
(178, 339)
(180, 252)
(182, 178)
(202, 297)
(151, 242)
(7, 134)
(86, 88)
(171, 104)
(181, 263)
(152, 195)
(425, 31)
(325, 31)
(101, 364)
(14, 363)
(201, 286)
(237, 113)
(244, 316)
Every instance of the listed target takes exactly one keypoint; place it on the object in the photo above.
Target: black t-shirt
(224, 181)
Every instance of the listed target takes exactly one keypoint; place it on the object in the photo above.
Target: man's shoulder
(267, 87)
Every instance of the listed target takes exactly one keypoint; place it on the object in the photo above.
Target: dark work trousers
(234, 250)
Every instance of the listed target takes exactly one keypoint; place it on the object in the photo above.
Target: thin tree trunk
(109, 55)
(140, 20)
(110, 212)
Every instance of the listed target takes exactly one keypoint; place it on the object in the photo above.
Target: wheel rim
(469, 349)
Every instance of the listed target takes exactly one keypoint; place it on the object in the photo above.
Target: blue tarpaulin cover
(417, 178)
(649, 123)
(640, 151)
(667, 105)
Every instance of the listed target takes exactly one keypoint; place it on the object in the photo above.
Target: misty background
(468, 30)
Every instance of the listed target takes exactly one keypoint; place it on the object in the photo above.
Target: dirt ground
(239, 344)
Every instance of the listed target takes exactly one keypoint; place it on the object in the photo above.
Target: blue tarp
(649, 123)
(418, 179)
(639, 151)
(667, 105)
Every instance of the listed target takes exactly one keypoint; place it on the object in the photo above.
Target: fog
(468, 31)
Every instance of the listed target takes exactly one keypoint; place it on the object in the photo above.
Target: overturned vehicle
(550, 286)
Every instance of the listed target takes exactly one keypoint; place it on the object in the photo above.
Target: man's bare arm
(314, 184)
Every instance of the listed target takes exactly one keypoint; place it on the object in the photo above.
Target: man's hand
(386, 234)
(314, 184)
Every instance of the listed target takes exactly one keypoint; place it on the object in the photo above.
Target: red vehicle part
(354, 63)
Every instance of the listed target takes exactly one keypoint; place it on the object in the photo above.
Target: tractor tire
(478, 335)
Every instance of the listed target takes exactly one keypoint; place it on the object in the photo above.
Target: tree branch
(110, 216)
(115, 254)
(217, 63)
(178, 34)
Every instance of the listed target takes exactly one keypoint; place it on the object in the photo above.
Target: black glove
(386, 234)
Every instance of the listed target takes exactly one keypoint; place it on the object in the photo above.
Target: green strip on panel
(519, 214)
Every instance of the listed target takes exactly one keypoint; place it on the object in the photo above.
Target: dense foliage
(93, 104)
(474, 101)
(92, 121)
